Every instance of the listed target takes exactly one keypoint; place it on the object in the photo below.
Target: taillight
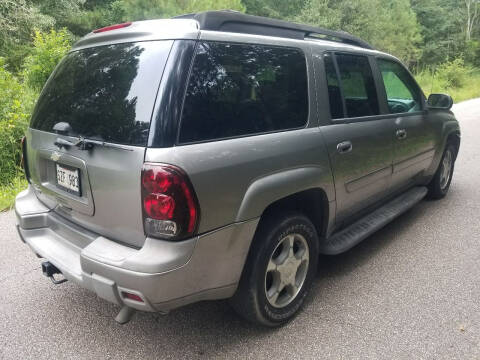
(112, 27)
(170, 207)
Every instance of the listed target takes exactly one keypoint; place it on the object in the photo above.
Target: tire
(438, 187)
(271, 264)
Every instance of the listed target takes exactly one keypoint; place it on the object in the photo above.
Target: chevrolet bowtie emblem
(55, 156)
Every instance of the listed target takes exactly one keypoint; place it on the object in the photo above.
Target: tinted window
(104, 93)
(403, 94)
(334, 93)
(244, 89)
(358, 85)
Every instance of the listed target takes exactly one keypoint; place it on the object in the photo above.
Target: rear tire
(438, 187)
(279, 270)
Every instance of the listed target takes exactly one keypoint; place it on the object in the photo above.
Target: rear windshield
(104, 93)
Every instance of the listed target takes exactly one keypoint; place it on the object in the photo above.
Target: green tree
(18, 19)
(377, 21)
(400, 32)
(471, 16)
(49, 49)
(60, 10)
(441, 29)
(283, 9)
(150, 9)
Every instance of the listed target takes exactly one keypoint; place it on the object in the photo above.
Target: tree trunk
(472, 7)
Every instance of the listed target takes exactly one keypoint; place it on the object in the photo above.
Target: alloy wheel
(287, 270)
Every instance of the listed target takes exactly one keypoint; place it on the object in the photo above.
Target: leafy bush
(17, 99)
(48, 49)
(466, 83)
(9, 192)
(18, 19)
(472, 53)
(453, 73)
(15, 107)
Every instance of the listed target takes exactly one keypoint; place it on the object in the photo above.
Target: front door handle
(344, 147)
(401, 134)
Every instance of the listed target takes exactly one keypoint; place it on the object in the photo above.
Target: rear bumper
(164, 274)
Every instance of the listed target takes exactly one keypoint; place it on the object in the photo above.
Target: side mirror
(440, 101)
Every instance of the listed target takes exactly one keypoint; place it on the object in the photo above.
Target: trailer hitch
(49, 270)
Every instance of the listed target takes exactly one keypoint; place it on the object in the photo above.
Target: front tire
(279, 270)
(440, 183)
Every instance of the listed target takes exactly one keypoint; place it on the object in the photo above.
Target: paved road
(410, 291)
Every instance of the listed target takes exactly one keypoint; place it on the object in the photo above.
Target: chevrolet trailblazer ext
(216, 155)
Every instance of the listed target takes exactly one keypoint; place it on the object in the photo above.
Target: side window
(358, 85)
(241, 89)
(403, 95)
(334, 93)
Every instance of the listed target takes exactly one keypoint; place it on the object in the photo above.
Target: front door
(414, 144)
(359, 141)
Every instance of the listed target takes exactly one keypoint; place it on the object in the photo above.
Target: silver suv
(217, 154)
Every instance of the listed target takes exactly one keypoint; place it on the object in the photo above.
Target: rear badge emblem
(55, 156)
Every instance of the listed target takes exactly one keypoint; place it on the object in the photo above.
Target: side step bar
(358, 231)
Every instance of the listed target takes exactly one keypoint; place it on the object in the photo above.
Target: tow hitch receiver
(49, 270)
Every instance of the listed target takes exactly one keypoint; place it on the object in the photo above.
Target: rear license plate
(68, 179)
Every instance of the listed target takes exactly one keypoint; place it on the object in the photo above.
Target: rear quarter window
(241, 89)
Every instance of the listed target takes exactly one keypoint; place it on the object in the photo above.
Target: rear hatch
(88, 133)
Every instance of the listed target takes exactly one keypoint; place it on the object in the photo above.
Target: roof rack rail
(234, 21)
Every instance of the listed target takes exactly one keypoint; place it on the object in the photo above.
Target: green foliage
(203, 5)
(453, 78)
(16, 103)
(18, 19)
(377, 21)
(61, 10)
(9, 191)
(453, 73)
(472, 52)
(399, 32)
(274, 8)
(149, 9)
(441, 28)
(48, 49)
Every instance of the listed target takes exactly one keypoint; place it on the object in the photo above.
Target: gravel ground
(410, 291)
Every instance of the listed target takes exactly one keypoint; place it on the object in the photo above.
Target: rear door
(359, 141)
(414, 143)
(88, 133)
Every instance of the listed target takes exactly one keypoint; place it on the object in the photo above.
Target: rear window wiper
(87, 144)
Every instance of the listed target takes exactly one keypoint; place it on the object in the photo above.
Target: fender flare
(266, 190)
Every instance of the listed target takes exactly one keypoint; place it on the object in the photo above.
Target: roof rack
(234, 21)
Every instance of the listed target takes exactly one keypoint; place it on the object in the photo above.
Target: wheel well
(313, 203)
(454, 138)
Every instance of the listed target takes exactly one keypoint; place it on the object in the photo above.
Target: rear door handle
(344, 147)
(401, 134)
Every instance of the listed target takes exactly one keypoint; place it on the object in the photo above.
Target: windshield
(104, 93)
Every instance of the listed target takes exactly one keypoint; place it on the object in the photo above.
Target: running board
(366, 226)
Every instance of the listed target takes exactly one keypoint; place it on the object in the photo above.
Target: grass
(8, 192)
(469, 89)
